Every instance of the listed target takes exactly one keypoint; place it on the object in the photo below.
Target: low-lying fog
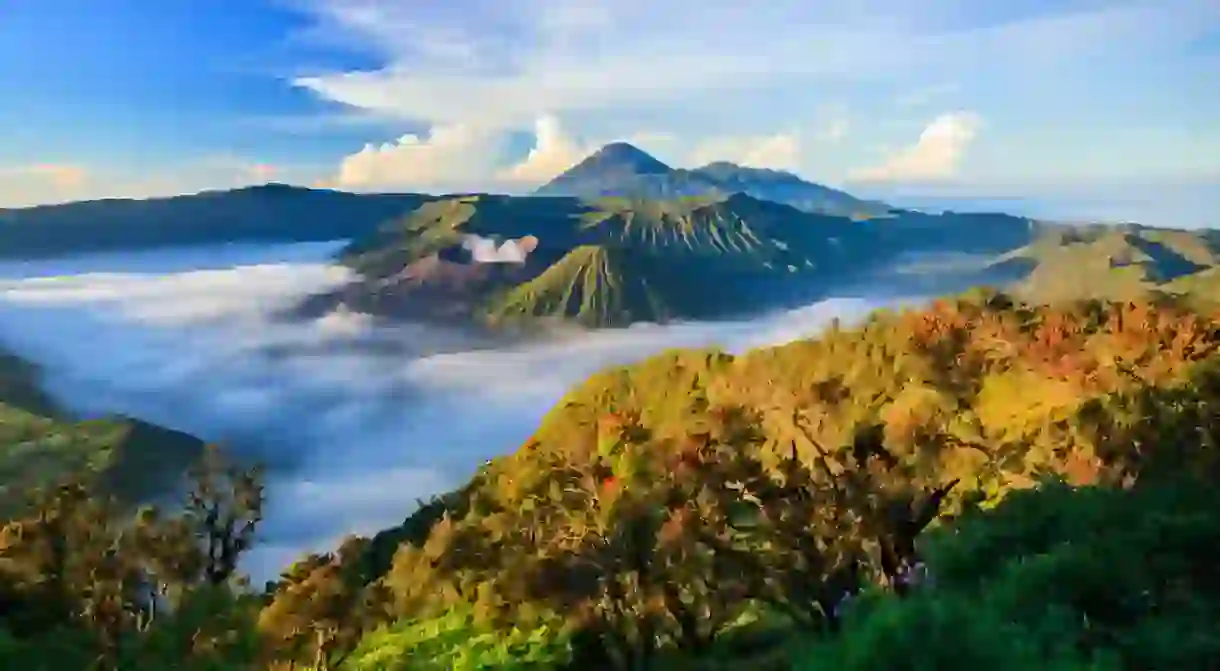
(357, 420)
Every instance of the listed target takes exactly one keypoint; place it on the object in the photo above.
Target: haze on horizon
(1074, 109)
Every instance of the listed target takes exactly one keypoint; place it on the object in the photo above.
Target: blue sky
(1080, 107)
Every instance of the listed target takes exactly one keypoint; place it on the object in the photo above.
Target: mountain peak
(613, 164)
(622, 157)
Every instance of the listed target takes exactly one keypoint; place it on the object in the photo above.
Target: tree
(224, 508)
(321, 608)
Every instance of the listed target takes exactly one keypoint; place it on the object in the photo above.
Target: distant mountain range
(620, 169)
(270, 213)
(597, 262)
(621, 238)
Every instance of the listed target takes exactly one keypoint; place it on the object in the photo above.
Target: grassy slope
(589, 285)
(612, 261)
(41, 445)
(1119, 263)
(615, 260)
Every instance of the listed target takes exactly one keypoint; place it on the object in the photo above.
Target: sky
(1107, 108)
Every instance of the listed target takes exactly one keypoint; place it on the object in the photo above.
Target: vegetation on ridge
(604, 262)
(936, 489)
(1119, 263)
(40, 444)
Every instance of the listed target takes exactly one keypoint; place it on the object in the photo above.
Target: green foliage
(456, 641)
(1054, 577)
(947, 633)
(150, 592)
(41, 446)
(1007, 486)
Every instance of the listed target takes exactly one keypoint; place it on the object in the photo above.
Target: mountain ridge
(611, 261)
(40, 444)
(621, 169)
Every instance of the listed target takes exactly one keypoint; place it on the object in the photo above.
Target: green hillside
(981, 396)
(601, 262)
(613, 261)
(590, 285)
(977, 484)
(40, 445)
(1119, 263)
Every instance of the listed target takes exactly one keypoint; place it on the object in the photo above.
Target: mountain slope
(598, 262)
(785, 187)
(1119, 263)
(591, 285)
(40, 444)
(623, 170)
(613, 261)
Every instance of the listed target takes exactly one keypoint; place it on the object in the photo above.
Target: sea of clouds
(356, 419)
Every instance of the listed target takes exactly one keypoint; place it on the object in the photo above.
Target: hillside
(622, 170)
(1116, 262)
(981, 396)
(271, 213)
(40, 444)
(598, 262)
(978, 484)
(613, 261)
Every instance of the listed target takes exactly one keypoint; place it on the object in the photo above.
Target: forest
(980, 483)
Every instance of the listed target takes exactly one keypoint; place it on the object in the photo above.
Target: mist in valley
(355, 419)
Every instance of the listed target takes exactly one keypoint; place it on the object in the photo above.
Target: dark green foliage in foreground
(1059, 578)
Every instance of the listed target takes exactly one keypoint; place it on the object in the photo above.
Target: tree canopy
(978, 483)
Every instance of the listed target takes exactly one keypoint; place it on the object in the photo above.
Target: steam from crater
(485, 250)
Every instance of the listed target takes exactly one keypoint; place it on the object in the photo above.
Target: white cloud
(456, 158)
(60, 176)
(38, 183)
(504, 64)
(486, 250)
(449, 156)
(117, 334)
(936, 156)
(554, 151)
(725, 81)
(464, 158)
